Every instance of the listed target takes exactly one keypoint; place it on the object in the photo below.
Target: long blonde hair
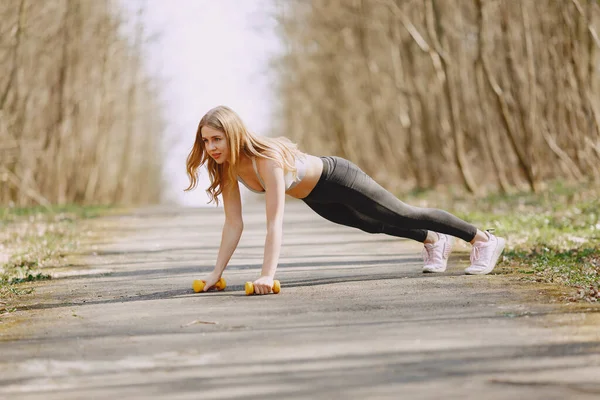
(239, 140)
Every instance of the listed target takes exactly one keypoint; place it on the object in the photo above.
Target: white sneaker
(484, 255)
(435, 255)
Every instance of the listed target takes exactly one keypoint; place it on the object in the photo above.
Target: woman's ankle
(432, 237)
(480, 236)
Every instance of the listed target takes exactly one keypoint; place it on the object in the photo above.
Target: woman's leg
(344, 215)
(343, 182)
(435, 255)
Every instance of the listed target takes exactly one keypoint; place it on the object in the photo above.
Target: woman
(333, 187)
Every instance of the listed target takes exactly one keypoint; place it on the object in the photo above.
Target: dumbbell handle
(198, 285)
(250, 287)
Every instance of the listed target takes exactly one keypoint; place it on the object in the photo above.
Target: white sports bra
(290, 182)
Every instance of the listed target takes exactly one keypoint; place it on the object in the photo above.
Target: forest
(482, 96)
(80, 120)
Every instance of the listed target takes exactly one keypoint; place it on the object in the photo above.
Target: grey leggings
(348, 196)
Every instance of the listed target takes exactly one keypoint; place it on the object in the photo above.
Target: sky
(207, 53)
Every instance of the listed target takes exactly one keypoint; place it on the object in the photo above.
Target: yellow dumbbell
(250, 287)
(198, 285)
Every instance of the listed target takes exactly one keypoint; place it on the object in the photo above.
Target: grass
(552, 236)
(32, 239)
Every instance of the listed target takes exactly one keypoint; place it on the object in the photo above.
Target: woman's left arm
(273, 178)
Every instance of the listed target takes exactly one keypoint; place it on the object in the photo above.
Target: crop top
(290, 182)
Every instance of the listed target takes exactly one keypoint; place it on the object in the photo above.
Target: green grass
(32, 239)
(11, 214)
(552, 236)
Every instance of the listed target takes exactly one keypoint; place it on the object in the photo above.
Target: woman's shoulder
(265, 162)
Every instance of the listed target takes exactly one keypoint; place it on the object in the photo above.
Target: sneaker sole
(499, 249)
(431, 271)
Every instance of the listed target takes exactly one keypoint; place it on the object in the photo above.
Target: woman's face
(215, 144)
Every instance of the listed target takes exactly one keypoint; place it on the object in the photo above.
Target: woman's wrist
(268, 272)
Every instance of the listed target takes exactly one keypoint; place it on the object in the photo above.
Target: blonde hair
(240, 140)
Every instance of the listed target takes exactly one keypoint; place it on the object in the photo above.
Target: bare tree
(483, 94)
(71, 126)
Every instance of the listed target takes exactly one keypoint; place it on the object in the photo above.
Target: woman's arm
(232, 231)
(273, 178)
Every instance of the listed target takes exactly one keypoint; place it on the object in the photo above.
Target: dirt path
(356, 319)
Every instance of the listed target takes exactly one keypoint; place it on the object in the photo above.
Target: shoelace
(474, 254)
(427, 253)
(447, 249)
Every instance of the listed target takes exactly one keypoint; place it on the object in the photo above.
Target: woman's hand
(211, 280)
(263, 285)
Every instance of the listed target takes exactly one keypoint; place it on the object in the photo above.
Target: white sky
(208, 53)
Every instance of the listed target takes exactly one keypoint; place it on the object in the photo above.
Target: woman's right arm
(232, 231)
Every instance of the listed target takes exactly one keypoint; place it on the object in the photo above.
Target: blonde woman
(333, 187)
